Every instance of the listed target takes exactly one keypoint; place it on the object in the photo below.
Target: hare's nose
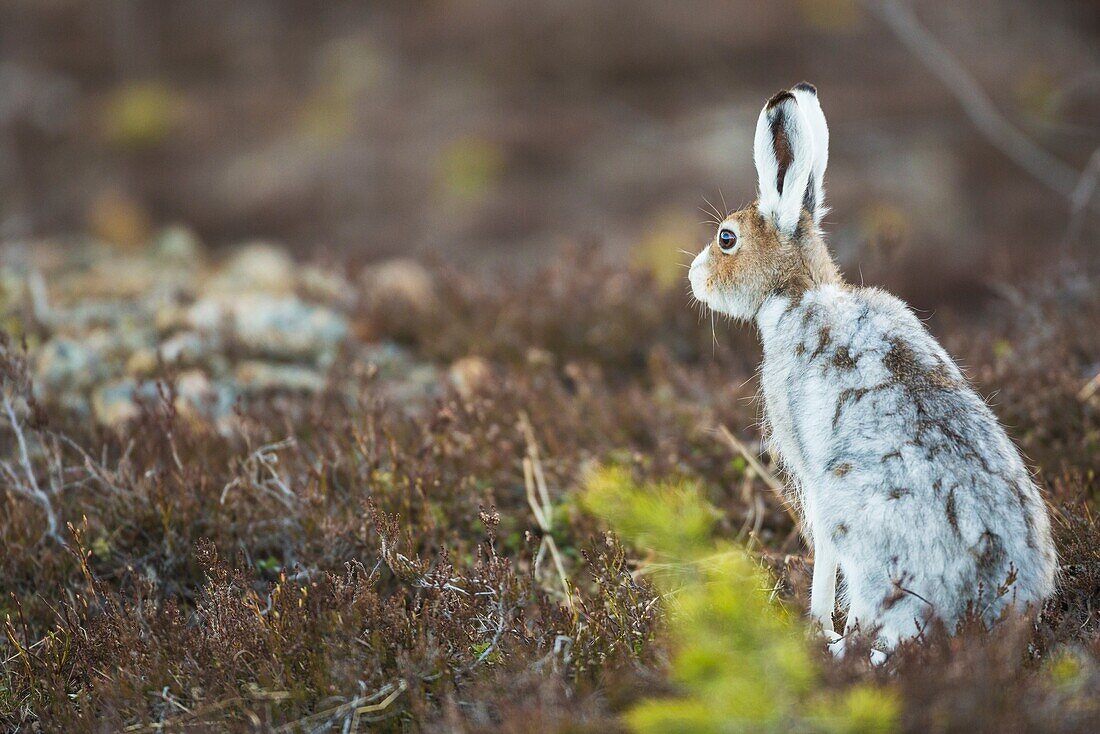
(700, 258)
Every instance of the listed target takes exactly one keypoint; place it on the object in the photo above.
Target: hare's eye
(727, 240)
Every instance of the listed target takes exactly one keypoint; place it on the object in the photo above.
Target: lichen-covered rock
(470, 375)
(401, 283)
(258, 377)
(177, 245)
(198, 396)
(259, 266)
(326, 286)
(115, 403)
(281, 326)
(117, 315)
(142, 363)
(104, 324)
(65, 364)
(187, 347)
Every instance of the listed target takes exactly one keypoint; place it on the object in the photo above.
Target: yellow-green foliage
(470, 166)
(140, 115)
(741, 659)
(660, 250)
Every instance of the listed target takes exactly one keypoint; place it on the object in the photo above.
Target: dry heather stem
(767, 476)
(29, 487)
(535, 479)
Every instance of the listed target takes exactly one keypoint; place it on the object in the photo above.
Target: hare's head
(774, 246)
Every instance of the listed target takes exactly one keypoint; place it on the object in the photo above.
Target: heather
(497, 510)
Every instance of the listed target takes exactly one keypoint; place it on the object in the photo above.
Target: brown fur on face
(767, 263)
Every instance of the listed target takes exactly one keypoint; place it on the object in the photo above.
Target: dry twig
(28, 485)
(1090, 388)
(1049, 170)
(538, 497)
(760, 470)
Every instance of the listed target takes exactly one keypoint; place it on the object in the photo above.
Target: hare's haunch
(906, 481)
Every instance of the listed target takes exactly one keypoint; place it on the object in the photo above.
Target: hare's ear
(784, 156)
(814, 203)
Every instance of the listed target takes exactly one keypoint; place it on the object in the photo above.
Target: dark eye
(727, 240)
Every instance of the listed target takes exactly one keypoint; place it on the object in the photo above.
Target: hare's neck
(779, 319)
(815, 266)
(768, 318)
(812, 270)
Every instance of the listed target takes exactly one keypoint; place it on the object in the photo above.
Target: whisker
(713, 220)
(713, 336)
(714, 208)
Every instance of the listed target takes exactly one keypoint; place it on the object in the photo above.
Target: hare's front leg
(823, 591)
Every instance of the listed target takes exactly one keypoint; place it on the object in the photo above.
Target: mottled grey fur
(905, 480)
(903, 473)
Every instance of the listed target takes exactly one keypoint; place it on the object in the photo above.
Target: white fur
(907, 483)
(783, 208)
(913, 490)
(819, 131)
(730, 301)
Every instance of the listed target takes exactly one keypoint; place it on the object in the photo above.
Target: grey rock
(259, 266)
(65, 364)
(186, 347)
(116, 403)
(198, 395)
(270, 325)
(178, 245)
(257, 377)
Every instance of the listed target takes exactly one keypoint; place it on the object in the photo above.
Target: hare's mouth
(697, 276)
(727, 300)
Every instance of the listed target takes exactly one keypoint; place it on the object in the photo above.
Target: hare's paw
(838, 646)
(833, 641)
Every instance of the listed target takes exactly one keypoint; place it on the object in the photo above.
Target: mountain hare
(904, 477)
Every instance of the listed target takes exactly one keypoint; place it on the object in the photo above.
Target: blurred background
(490, 132)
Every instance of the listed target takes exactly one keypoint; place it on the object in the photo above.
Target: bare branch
(28, 486)
(1044, 167)
(754, 463)
(538, 497)
(1082, 195)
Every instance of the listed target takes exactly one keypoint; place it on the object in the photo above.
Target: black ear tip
(806, 87)
(778, 98)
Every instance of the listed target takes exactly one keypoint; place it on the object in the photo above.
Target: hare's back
(884, 426)
(881, 394)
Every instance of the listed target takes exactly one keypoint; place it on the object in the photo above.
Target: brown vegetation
(339, 560)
